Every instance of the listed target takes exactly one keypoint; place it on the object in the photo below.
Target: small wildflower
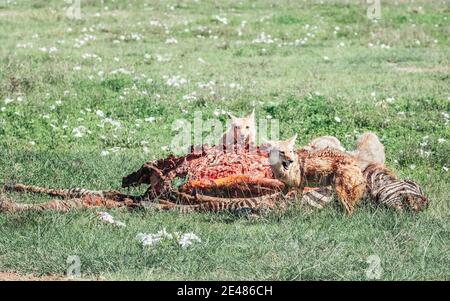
(148, 239)
(171, 41)
(108, 218)
(175, 81)
(79, 132)
(188, 239)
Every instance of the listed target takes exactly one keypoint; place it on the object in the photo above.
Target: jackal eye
(247, 127)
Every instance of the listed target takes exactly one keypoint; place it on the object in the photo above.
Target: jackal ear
(267, 145)
(231, 116)
(252, 115)
(267, 142)
(292, 140)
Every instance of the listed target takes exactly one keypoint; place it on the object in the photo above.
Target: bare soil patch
(12, 276)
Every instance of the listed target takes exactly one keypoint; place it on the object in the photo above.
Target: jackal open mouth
(286, 164)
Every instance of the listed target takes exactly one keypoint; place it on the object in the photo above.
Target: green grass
(62, 90)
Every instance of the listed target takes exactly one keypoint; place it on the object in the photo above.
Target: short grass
(325, 69)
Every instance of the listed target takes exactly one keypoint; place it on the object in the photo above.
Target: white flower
(424, 154)
(49, 50)
(115, 149)
(441, 140)
(412, 166)
(188, 239)
(190, 97)
(150, 119)
(120, 224)
(108, 218)
(235, 86)
(175, 81)
(337, 119)
(445, 168)
(148, 239)
(164, 234)
(222, 20)
(104, 153)
(112, 122)
(151, 240)
(120, 71)
(171, 41)
(263, 39)
(326, 58)
(79, 132)
(162, 58)
(155, 23)
(100, 113)
(8, 100)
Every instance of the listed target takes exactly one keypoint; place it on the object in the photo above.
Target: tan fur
(282, 152)
(322, 167)
(368, 150)
(242, 131)
(324, 142)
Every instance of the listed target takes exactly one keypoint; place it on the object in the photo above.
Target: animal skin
(384, 188)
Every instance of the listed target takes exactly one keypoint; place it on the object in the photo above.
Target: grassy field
(85, 102)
